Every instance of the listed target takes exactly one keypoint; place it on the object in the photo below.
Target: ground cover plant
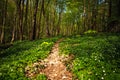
(14, 59)
(95, 57)
(91, 33)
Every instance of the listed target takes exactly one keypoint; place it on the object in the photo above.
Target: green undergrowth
(14, 59)
(95, 57)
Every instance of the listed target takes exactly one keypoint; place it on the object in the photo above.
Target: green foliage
(41, 77)
(90, 32)
(95, 58)
(14, 59)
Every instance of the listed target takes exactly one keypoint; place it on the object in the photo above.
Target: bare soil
(53, 66)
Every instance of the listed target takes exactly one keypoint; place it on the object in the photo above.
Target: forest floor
(53, 66)
(80, 57)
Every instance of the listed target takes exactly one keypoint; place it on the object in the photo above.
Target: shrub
(90, 32)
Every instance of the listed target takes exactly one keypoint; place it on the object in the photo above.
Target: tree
(20, 8)
(4, 20)
(34, 20)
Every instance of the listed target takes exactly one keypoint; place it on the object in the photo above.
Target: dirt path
(54, 67)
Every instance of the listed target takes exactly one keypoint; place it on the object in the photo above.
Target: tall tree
(20, 10)
(34, 20)
(4, 20)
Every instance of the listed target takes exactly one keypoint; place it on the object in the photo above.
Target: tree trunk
(110, 8)
(38, 28)
(59, 22)
(84, 15)
(20, 19)
(47, 27)
(13, 35)
(34, 21)
(14, 28)
(4, 22)
(26, 18)
(46, 19)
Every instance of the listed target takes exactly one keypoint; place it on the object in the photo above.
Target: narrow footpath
(54, 66)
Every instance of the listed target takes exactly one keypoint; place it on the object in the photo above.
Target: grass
(14, 59)
(96, 57)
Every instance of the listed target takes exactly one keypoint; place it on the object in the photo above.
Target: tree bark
(4, 22)
(46, 19)
(39, 25)
(14, 28)
(26, 19)
(110, 8)
(34, 21)
(59, 22)
(20, 21)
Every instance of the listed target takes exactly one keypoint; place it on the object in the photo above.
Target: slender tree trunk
(4, 22)
(53, 20)
(13, 35)
(14, 28)
(38, 28)
(34, 21)
(118, 7)
(47, 28)
(110, 8)
(30, 25)
(59, 23)
(19, 8)
(84, 15)
(26, 18)
(46, 19)
(3, 31)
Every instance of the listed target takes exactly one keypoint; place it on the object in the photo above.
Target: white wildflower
(113, 71)
(105, 74)
(98, 60)
(11, 69)
(103, 70)
(102, 66)
(102, 77)
(89, 79)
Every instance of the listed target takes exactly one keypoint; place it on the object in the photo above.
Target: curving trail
(56, 70)
(54, 67)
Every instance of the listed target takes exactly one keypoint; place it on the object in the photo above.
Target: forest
(59, 39)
